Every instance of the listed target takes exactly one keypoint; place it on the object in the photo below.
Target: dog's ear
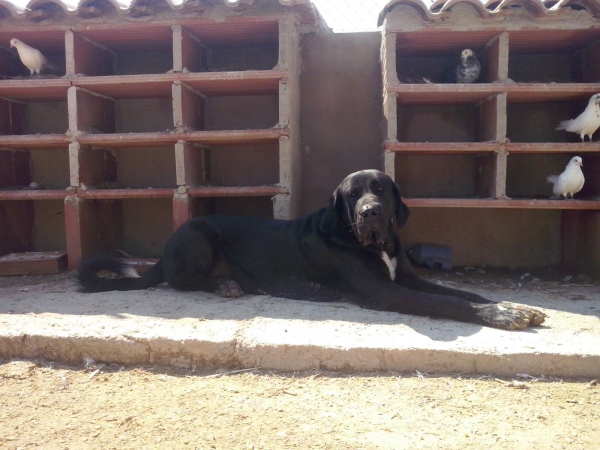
(402, 211)
(333, 214)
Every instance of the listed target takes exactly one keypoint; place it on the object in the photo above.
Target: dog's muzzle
(370, 223)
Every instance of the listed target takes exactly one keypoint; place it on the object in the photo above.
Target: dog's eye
(352, 194)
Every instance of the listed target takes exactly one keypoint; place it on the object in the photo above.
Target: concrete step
(46, 317)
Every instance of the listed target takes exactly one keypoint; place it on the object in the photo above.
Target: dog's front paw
(509, 316)
(229, 288)
(536, 317)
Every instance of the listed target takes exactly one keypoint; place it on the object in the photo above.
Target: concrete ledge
(165, 327)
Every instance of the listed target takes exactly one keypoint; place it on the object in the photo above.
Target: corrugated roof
(493, 8)
(34, 9)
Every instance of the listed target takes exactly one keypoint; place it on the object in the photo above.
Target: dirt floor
(48, 405)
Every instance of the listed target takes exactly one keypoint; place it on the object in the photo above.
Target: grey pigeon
(570, 181)
(31, 58)
(587, 122)
(467, 71)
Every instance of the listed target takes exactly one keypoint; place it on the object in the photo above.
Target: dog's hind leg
(189, 258)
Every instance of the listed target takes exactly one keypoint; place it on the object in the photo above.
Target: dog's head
(366, 203)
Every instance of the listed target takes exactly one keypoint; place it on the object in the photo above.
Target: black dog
(349, 250)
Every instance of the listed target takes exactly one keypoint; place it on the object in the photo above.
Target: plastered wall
(341, 111)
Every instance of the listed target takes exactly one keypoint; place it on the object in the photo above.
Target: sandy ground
(46, 405)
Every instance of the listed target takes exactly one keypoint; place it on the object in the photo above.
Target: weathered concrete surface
(51, 320)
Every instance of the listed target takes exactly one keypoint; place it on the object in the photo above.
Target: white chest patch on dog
(390, 263)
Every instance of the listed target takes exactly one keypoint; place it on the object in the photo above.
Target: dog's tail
(89, 281)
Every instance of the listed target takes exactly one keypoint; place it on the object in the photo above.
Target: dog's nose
(369, 210)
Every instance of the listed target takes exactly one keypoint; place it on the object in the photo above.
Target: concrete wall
(341, 111)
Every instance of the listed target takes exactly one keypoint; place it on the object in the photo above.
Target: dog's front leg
(407, 277)
(383, 294)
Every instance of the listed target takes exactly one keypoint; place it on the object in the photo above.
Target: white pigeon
(570, 181)
(31, 57)
(587, 122)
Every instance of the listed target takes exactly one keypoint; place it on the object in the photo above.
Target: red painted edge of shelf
(501, 203)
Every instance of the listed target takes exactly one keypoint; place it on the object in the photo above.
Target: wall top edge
(37, 11)
(492, 9)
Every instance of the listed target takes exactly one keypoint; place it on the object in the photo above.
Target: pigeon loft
(475, 157)
(161, 112)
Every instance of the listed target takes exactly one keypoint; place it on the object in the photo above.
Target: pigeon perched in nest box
(570, 181)
(587, 122)
(31, 58)
(467, 71)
